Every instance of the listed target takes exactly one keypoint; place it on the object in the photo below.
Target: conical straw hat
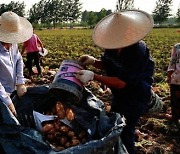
(122, 29)
(14, 29)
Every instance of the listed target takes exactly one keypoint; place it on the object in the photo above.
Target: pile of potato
(60, 135)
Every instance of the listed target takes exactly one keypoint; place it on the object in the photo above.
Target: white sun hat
(14, 29)
(43, 53)
(121, 29)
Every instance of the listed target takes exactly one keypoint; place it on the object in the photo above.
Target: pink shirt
(32, 44)
(175, 64)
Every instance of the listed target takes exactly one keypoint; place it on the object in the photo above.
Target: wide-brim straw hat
(121, 29)
(14, 29)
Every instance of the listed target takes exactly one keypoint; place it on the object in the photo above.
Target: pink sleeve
(38, 40)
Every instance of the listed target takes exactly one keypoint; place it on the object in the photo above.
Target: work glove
(87, 60)
(21, 90)
(12, 108)
(84, 76)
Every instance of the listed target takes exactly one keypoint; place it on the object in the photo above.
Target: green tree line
(53, 13)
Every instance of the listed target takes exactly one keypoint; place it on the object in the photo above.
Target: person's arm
(40, 42)
(113, 82)
(5, 97)
(85, 76)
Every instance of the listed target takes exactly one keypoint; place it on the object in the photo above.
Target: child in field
(174, 81)
(32, 50)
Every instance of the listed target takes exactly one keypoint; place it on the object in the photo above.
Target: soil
(155, 133)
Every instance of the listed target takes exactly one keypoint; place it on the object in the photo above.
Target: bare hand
(87, 60)
(21, 90)
(12, 108)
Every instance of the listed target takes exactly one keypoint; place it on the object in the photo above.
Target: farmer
(32, 50)
(13, 29)
(128, 65)
(174, 81)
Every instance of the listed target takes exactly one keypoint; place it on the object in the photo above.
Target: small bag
(155, 104)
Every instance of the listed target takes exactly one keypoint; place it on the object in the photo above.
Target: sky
(97, 5)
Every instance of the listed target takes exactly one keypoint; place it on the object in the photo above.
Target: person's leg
(128, 133)
(36, 61)
(29, 63)
(175, 102)
(40, 60)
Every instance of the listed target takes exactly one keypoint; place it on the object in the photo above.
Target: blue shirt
(11, 71)
(135, 66)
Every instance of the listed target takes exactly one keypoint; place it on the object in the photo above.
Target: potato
(82, 134)
(59, 148)
(60, 110)
(63, 140)
(64, 129)
(57, 125)
(52, 131)
(50, 137)
(71, 134)
(69, 114)
(84, 140)
(75, 142)
(47, 127)
(67, 145)
(57, 135)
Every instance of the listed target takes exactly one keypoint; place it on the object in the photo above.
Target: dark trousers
(128, 133)
(175, 102)
(30, 57)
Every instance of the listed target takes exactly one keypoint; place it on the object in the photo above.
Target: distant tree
(52, 12)
(162, 10)
(72, 10)
(124, 4)
(84, 16)
(101, 14)
(178, 15)
(37, 11)
(55, 11)
(16, 7)
(91, 18)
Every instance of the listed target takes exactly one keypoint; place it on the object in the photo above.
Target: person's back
(32, 44)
